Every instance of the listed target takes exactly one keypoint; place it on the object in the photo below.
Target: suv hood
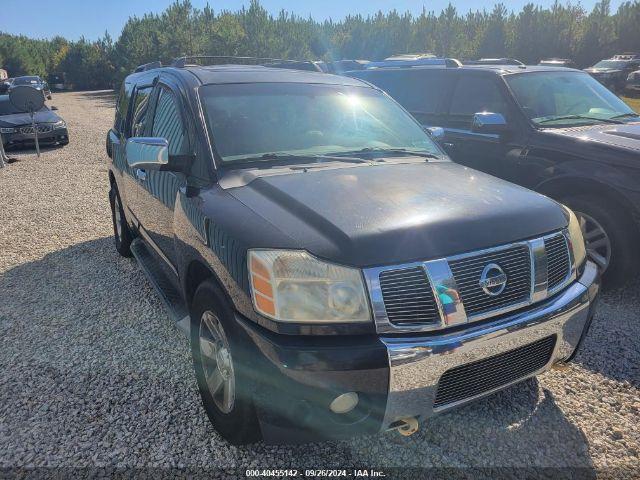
(385, 214)
(625, 136)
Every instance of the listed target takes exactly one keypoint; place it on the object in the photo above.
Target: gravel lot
(93, 373)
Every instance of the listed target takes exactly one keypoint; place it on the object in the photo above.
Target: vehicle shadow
(104, 339)
(15, 153)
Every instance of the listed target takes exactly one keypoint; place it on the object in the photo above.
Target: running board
(163, 285)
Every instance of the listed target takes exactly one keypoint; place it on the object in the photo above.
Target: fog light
(344, 403)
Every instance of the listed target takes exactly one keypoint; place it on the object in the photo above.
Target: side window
(140, 109)
(168, 124)
(475, 94)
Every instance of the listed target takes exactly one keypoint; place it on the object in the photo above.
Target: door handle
(141, 174)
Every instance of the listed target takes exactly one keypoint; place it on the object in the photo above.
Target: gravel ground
(95, 374)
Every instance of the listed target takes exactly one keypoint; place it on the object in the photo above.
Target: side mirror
(437, 133)
(490, 123)
(151, 153)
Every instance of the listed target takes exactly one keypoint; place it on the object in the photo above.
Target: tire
(121, 232)
(617, 227)
(235, 420)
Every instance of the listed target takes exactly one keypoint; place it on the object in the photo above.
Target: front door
(494, 154)
(160, 188)
(134, 178)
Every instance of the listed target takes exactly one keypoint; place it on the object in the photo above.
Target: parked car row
(336, 272)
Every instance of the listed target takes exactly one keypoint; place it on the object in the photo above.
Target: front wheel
(609, 236)
(222, 367)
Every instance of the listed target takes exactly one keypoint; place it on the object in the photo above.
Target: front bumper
(397, 376)
(58, 135)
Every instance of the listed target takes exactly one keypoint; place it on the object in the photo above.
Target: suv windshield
(261, 121)
(561, 98)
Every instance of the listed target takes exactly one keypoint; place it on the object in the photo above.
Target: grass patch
(633, 103)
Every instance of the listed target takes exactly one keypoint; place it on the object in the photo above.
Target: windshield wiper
(625, 115)
(288, 158)
(403, 151)
(579, 117)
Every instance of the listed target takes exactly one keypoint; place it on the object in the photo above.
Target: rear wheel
(221, 367)
(609, 236)
(121, 232)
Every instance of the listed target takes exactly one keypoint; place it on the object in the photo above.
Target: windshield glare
(247, 121)
(545, 96)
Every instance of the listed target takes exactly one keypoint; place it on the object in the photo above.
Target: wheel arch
(570, 186)
(196, 273)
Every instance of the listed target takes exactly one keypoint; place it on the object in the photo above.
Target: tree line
(562, 30)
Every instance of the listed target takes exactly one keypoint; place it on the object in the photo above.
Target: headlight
(576, 239)
(60, 124)
(7, 130)
(293, 286)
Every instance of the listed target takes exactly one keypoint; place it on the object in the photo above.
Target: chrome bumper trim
(416, 364)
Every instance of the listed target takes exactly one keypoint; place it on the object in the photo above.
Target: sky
(91, 18)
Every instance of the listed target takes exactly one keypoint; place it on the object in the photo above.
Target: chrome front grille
(436, 294)
(41, 129)
(558, 261)
(408, 296)
(477, 378)
(516, 264)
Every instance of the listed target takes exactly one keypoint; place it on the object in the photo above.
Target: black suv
(336, 273)
(554, 130)
(613, 72)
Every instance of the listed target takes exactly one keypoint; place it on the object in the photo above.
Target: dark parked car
(557, 62)
(554, 130)
(35, 82)
(336, 273)
(17, 130)
(613, 73)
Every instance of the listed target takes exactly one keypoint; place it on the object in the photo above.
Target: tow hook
(405, 426)
(562, 366)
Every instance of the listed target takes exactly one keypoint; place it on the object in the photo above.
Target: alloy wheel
(217, 363)
(596, 240)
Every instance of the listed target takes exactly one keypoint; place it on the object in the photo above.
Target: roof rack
(626, 56)
(418, 62)
(182, 62)
(148, 66)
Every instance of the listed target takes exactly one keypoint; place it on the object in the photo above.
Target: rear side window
(419, 91)
(474, 94)
(168, 124)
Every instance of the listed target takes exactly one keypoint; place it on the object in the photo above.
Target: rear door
(160, 188)
(475, 92)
